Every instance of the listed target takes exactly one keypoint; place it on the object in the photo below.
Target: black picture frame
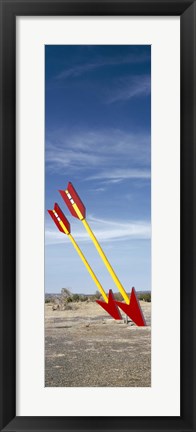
(9, 10)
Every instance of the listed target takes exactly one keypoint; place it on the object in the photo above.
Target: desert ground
(85, 347)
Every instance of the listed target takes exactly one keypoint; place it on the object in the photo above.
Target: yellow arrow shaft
(91, 272)
(80, 253)
(106, 262)
(101, 253)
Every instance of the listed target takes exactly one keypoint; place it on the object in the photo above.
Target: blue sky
(98, 136)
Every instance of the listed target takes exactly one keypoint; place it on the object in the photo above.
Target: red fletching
(62, 217)
(56, 221)
(76, 199)
(68, 203)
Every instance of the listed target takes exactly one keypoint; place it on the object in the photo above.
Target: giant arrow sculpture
(64, 226)
(78, 210)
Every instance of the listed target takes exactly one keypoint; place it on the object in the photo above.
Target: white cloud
(128, 88)
(104, 230)
(80, 69)
(118, 175)
(92, 153)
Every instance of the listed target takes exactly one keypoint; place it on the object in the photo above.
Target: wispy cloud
(98, 154)
(104, 230)
(96, 63)
(128, 88)
(118, 175)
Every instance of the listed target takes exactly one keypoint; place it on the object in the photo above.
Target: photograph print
(98, 216)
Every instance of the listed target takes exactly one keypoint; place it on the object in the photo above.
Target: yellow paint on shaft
(80, 253)
(94, 277)
(106, 262)
(62, 225)
(101, 252)
(78, 211)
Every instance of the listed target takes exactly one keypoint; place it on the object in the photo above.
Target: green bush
(75, 297)
(47, 300)
(118, 296)
(83, 298)
(145, 297)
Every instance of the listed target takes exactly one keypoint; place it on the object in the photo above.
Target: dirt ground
(84, 347)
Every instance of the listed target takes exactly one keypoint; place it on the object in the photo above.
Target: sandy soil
(84, 347)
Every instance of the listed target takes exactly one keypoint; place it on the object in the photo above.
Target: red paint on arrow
(76, 199)
(62, 217)
(111, 307)
(68, 203)
(56, 221)
(133, 309)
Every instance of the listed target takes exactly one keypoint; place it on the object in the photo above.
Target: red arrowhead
(111, 307)
(133, 309)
